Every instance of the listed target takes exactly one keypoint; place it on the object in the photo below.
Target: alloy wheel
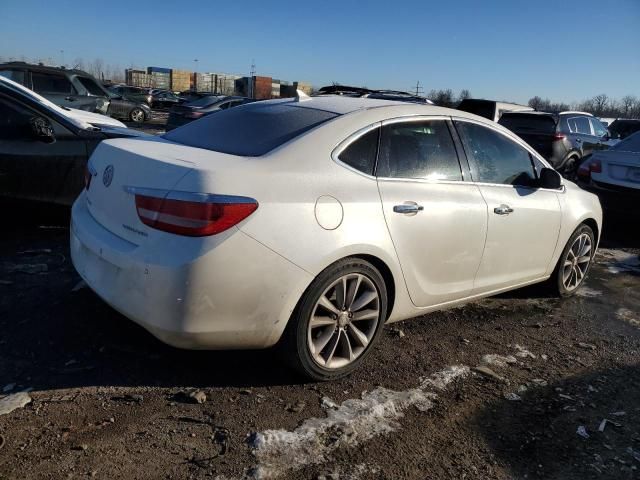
(576, 262)
(137, 115)
(343, 321)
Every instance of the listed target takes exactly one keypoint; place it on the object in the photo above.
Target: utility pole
(195, 75)
(252, 80)
(419, 90)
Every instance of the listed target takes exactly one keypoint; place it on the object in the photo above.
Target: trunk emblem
(107, 176)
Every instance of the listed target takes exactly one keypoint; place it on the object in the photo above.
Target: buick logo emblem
(107, 176)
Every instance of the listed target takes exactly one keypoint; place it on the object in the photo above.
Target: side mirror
(550, 179)
(42, 130)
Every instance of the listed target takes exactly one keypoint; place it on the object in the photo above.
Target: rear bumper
(236, 294)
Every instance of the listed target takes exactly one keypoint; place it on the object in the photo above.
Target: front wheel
(137, 115)
(574, 263)
(337, 320)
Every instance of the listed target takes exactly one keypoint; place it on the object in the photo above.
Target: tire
(347, 340)
(137, 115)
(569, 262)
(570, 169)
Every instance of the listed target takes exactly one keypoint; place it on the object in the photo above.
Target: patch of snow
(497, 360)
(522, 352)
(352, 422)
(628, 316)
(619, 261)
(588, 292)
(14, 401)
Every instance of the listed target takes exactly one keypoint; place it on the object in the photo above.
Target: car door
(523, 220)
(437, 221)
(32, 169)
(586, 141)
(58, 89)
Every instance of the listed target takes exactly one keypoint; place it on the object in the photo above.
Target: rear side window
(418, 150)
(251, 130)
(519, 122)
(15, 75)
(496, 158)
(361, 154)
(45, 83)
(579, 125)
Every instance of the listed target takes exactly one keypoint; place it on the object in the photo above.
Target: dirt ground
(519, 386)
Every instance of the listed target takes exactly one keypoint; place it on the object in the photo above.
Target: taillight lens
(194, 114)
(590, 166)
(212, 215)
(558, 137)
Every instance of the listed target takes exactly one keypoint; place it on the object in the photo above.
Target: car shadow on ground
(582, 427)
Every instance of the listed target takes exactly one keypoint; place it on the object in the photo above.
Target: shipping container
(180, 80)
(261, 87)
(158, 70)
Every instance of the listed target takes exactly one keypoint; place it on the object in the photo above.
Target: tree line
(601, 105)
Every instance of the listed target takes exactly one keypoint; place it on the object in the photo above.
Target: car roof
(44, 68)
(341, 104)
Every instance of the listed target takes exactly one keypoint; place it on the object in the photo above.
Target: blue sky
(564, 50)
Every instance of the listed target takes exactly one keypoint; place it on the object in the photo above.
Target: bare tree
(536, 103)
(463, 95)
(627, 104)
(599, 104)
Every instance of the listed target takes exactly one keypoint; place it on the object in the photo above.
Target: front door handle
(408, 208)
(503, 210)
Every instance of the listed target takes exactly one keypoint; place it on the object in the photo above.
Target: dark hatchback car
(128, 109)
(164, 100)
(563, 139)
(44, 148)
(183, 114)
(64, 87)
(622, 128)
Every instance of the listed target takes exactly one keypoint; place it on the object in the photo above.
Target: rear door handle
(408, 208)
(503, 210)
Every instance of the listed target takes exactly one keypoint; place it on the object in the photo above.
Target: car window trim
(342, 146)
(511, 136)
(421, 118)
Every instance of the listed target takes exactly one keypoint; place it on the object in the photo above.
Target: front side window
(421, 150)
(45, 83)
(91, 86)
(599, 129)
(494, 157)
(14, 120)
(361, 153)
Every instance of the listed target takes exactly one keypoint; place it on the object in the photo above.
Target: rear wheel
(570, 169)
(137, 115)
(574, 263)
(337, 320)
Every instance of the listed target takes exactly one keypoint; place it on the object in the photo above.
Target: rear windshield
(250, 130)
(518, 122)
(629, 144)
(91, 86)
(483, 108)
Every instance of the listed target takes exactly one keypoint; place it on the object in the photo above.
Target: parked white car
(314, 221)
(614, 175)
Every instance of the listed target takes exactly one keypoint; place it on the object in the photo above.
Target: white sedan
(310, 222)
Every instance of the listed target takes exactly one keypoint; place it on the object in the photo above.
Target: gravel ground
(519, 386)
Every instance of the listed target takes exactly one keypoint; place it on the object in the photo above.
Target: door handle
(578, 140)
(408, 208)
(503, 210)
(70, 99)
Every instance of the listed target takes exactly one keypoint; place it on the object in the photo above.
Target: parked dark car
(563, 139)
(64, 87)
(137, 94)
(128, 109)
(164, 100)
(191, 96)
(44, 148)
(182, 114)
(490, 109)
(622, 128)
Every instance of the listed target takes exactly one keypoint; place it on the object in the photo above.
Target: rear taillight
(558, 137)
(193, 214)
(194, 114)
(585, 170)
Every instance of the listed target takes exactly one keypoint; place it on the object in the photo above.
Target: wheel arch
(591, 223)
